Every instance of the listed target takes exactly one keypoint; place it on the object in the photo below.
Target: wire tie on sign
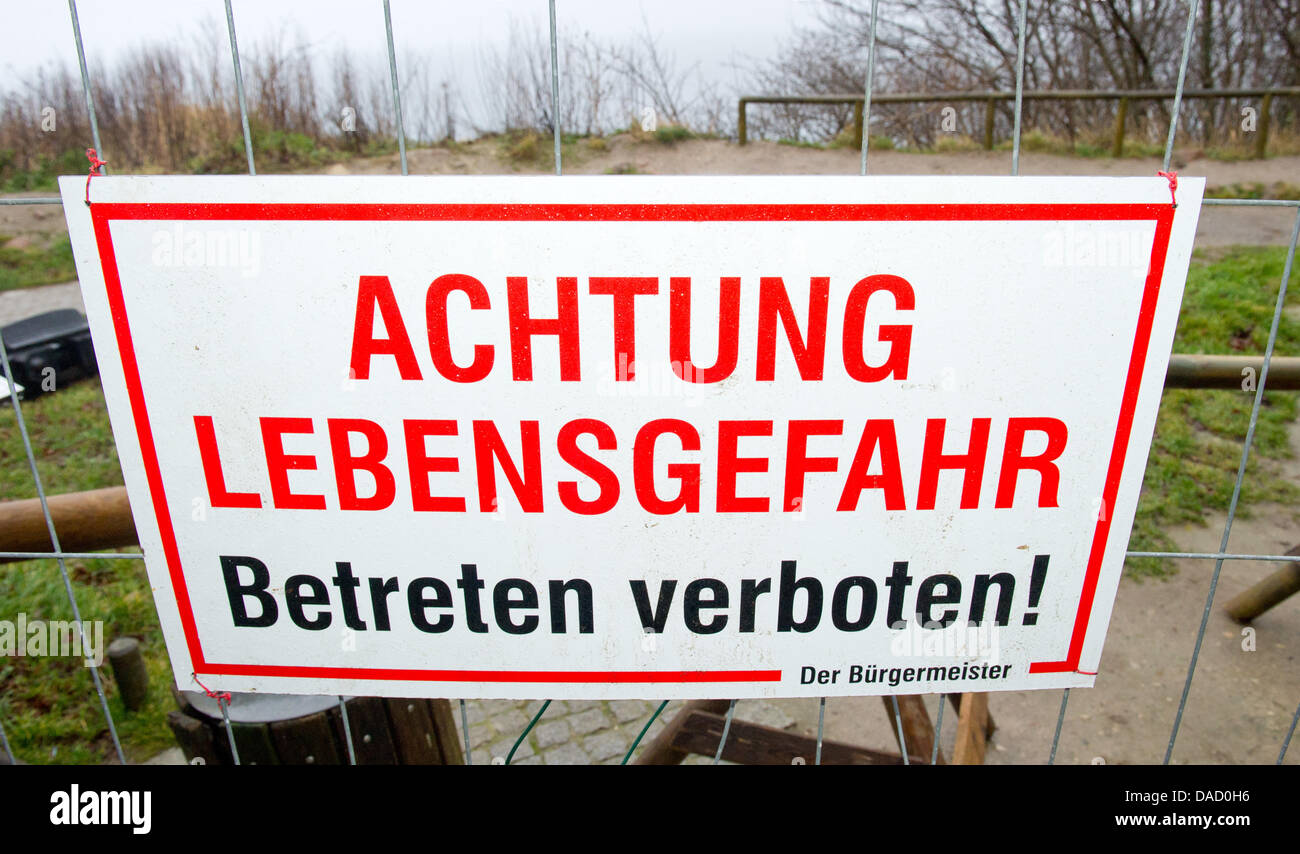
(95, 163)
(1173, 186)
(219, 696)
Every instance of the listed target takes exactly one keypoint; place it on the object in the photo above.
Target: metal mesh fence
(1218, 557)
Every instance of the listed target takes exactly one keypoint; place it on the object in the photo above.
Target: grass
(1254, 190)
(533, 150)
(42, 178)
(25, 266)
(800, 143)
(1036, 141)
(51, 713)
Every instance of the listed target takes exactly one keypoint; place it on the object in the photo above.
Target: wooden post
(990, 115)
(742, 131)
(372, 737)
(1121, 117)
(1261, 138)
(445, 725)
(414, 733)
(302, 741)
(194, 738)
(129, 672)
(858, 128)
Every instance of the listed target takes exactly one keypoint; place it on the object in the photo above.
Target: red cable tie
(95, 163)
(216, 695)
(1173, 186)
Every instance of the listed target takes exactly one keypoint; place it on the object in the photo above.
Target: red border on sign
(102, 213)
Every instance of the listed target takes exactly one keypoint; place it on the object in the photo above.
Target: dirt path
(1218, 226)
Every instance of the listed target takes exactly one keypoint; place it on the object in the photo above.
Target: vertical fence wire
(464, 727)
(1060, 721)
(58, 549)
(726, 729)
(239, 87)
(866, 96)
(1020, 86)
(555, 87)
(898, 721)
(9, 754)
(821, 728)
(85, 82)
(1236, 487)
(397, 95)
(938, 731)
(1286, 742)
(230, 731)
(1022, 25)
(347, 728)
(1182, 77)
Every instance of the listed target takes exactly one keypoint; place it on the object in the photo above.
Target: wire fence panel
(61, 557)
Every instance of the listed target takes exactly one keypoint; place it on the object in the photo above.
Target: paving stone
(480, 734)
(527, 760)
(583, 705)
(589, 721)
(608, 744)
(25, 302)
(567, 754)
(551, 733)
(629, 710)
(501, 747)
(510, 723)
(495, 707)
(761, 712)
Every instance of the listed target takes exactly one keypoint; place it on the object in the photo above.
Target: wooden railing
(991, 99)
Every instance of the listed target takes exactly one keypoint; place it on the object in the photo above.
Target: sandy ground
(1218, 226)
(1241, 701)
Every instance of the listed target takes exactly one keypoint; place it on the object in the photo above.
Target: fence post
(858, 129)
(741, 130)
(1121, 116)
(1261, 141)
(990, 114)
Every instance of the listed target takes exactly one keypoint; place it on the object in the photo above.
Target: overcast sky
(715, 33)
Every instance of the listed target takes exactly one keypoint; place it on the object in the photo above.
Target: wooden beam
(972, 723)
(85, 521)
(1264, 594)
(917, 728)
(444, 726)
(754, 744)
(660, 750)
(989, 728)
